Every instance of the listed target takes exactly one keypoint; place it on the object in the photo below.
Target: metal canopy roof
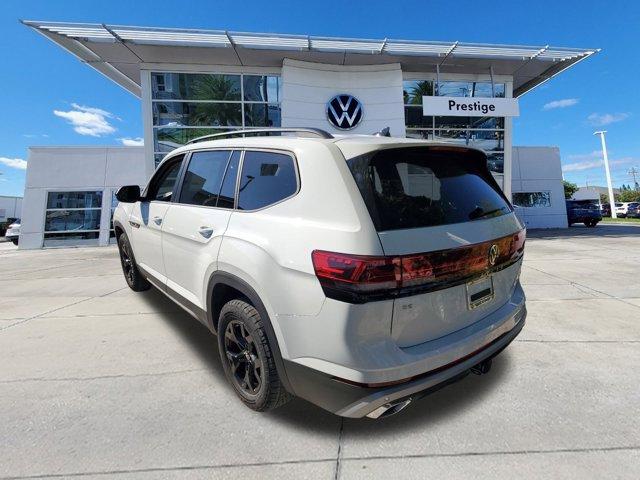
(119, 51)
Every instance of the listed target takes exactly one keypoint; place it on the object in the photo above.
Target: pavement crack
(315, 461)
(584, 288)
(101, 377)
(24, 320)
(336, 474)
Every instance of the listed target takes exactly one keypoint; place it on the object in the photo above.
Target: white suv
(357, 272)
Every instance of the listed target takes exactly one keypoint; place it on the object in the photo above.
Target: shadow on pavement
(298, 413)
(600, 231)
(440, 406)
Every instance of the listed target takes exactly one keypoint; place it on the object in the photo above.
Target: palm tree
(217, 87)
(423, 88)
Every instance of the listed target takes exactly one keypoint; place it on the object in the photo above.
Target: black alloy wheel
(248, 357)
(245, 365)
(132, 275)
(127, 263)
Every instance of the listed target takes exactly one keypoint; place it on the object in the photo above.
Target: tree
(629, 196)
(569, 189)
(217, 87)
(419, 90)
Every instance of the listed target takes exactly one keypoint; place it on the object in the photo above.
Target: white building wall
(10, 207)
(307, 87)
(538, 169)
(58, 169)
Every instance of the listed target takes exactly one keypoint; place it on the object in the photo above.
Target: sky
(51, 98)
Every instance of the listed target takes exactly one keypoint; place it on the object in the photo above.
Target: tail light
(360, 278)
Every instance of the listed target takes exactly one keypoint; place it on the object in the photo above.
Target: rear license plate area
(479, 292)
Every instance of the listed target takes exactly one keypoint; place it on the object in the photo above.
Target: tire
(247, 357)
(15, 241)
(132, 274)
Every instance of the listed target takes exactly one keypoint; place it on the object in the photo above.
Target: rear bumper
(355, 401)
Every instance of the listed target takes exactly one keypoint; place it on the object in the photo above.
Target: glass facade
(486, 133)
(190, 105)
(532, 199)
(72, 218)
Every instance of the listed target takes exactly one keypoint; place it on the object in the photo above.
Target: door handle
(206, 232)
(157, 220)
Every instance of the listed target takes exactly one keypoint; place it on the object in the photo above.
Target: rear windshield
(425, 187)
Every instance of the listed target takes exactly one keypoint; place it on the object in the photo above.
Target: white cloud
(600, 120)
(594, 155)
(132, 142)
(564, 103)
(18, 163)
(88, 120)
(589, 164)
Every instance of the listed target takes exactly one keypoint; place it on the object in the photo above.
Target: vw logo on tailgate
(493, 254)
(344, 111)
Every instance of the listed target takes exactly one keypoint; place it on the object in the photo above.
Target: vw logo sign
(493, 254)
(344, 111)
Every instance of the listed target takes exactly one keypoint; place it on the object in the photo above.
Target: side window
(228, 190)
(203, 178)
(164, 183)
(266, 179)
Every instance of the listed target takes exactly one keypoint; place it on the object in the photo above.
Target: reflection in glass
(261, 115)
(261, 88)
(178, 114)
(166, 139)
(469, 89)
(70, 238)
(469, 122)
(421, 134)
(483, 139)
(91, 199)
(495, 162)
(203, 178)
(414, 90)
(69, 220)
(413, 118)
(532, 199)
(195, 86)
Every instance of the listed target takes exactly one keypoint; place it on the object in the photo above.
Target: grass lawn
(620, 220)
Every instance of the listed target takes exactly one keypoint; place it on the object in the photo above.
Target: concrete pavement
(97, 381)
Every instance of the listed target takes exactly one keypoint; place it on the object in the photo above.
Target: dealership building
(199, 82)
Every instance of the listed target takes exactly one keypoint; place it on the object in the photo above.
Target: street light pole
(612, 202)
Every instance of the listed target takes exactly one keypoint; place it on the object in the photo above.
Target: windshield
(422, 187)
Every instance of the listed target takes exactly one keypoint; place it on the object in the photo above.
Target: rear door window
(267, 178)
(423, 187)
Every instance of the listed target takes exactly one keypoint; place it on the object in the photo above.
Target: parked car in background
(583, 211)
(621, 209)
(605, 210)
(13, 231)
(357, 272)
(633, 210)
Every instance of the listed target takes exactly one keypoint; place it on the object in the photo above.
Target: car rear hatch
(452, 234)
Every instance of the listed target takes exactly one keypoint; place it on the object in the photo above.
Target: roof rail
(316, 131)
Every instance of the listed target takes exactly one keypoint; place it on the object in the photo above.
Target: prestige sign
(470, 107)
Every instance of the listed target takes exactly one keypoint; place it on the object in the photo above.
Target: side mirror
(128, 194)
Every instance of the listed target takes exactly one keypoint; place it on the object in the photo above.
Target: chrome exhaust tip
(390, 408)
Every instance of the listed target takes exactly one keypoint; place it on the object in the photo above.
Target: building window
(486, 133)
(532, 199)
(72, 218)
(114, 205)
(189, 105)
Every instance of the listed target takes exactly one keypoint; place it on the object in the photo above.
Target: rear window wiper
(478, 213)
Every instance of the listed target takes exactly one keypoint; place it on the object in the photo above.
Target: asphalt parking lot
(97, 381)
